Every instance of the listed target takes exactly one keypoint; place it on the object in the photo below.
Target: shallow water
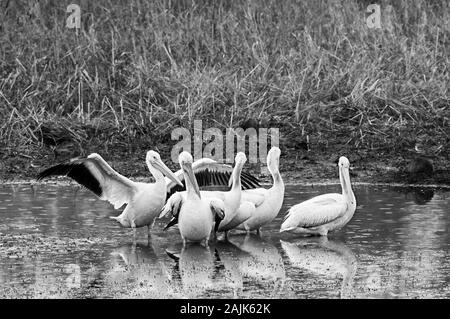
(58, 242)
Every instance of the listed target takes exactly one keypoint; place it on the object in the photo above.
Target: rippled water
(58, 241)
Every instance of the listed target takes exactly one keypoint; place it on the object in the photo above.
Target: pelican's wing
(255, 196)
(218, 209)
(173, 204)
(96, 175)
(210, 173)
(244, 212)
(314, 212)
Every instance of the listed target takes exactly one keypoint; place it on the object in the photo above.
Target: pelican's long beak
(159, 165)
(190, 178)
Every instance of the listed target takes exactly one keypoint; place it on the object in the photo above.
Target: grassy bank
(136, 70)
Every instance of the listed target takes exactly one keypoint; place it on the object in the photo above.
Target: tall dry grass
(136, 69)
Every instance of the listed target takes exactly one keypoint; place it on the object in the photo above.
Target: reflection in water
(58, 241)
(323, 257)
(195, 269)
(230, 257)
(423, 232)
(419, 195)
(423, 196)
(262, 264)
(137, 266)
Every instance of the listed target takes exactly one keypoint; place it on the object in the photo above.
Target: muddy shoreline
(296, 166)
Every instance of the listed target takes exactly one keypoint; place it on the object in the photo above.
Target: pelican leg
(149, 234)
(207, 242)
(133, 226)
(321, 231)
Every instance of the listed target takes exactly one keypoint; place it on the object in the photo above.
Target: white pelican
(144, 200)
(245, 210)
(323, 213)
(196, 216)
(235, 211)
(267, 202)
(232, 198)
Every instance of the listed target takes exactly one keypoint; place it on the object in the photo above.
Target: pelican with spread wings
(144, 200)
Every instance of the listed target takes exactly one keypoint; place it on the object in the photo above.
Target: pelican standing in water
(235, 211)
(324, 213)
(267, 202)
(196, 217)
(144, 200)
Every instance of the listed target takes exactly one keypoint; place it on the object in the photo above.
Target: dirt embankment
(297, 164)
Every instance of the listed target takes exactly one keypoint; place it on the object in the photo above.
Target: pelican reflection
(262, 262)
(229, 258)
(194, 268)
(323, 257)
(137, 267)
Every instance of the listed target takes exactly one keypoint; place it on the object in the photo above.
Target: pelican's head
(344, 162)
(273, 160)
(185, 159)
(154, 161)
(152, 157)
(344, 176)
(239, 162)
(240, 158)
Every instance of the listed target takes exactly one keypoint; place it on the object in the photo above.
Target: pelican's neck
(236, 175)
(347, 192)
(234, 195)
(277, 180)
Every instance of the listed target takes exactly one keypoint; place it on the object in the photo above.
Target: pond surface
(59, 242)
